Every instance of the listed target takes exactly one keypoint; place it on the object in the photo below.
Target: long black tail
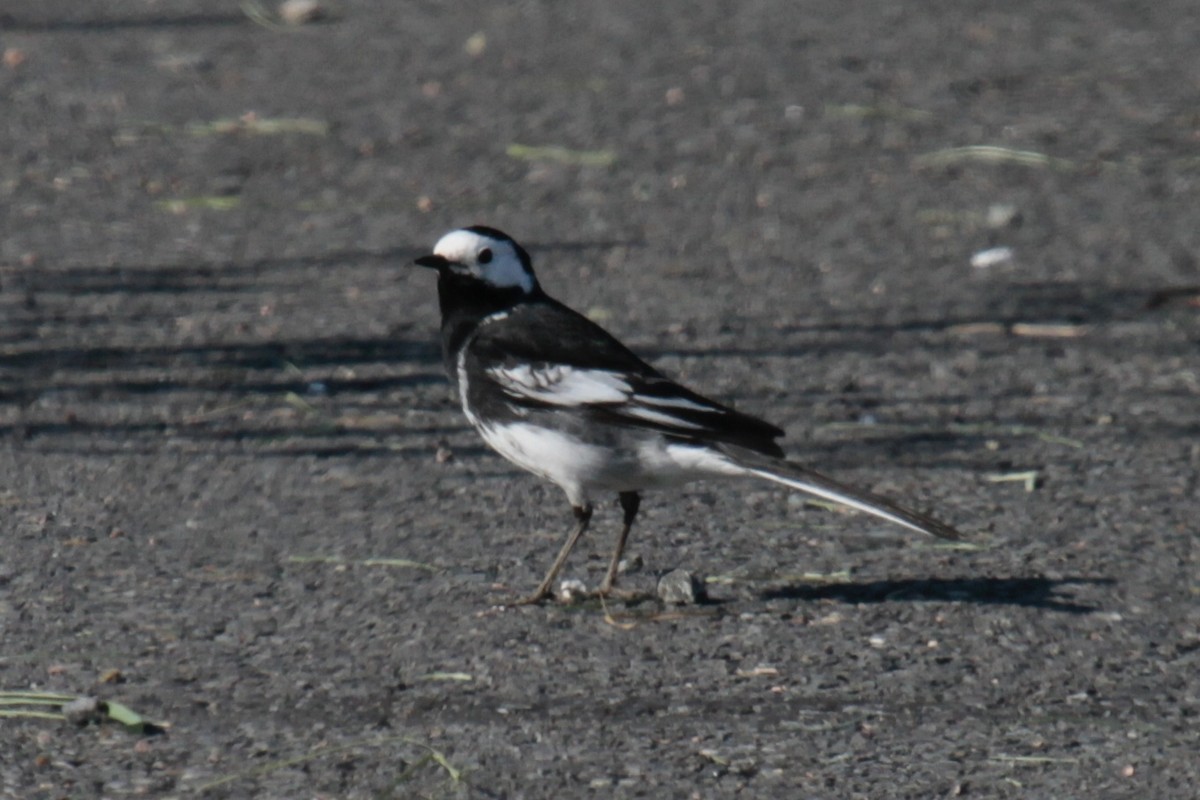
(805, 480)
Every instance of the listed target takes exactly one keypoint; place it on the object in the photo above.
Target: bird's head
(482, 256)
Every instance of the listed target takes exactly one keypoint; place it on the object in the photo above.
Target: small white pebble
(475, 45)
(299, 12)
(1001, 215)
(83, 710)
(877, 641)
(571, 589)
(992, 257)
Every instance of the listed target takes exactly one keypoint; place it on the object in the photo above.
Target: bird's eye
(485, 256)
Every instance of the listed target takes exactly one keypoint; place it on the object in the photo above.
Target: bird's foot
(536, 598)
(573, 591)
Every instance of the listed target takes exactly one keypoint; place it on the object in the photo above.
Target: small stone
(681, 588)
(992, 257)
(475, 45)
(571, 590)
(1002, 215)
(300, 12)
(83, 710)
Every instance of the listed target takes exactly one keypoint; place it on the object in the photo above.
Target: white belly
(580, 468)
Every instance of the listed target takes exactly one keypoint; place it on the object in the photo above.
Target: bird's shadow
(1045, 593)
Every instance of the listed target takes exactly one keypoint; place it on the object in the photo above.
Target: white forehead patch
(505, 270)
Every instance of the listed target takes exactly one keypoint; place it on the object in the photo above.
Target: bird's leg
(630, 501)
(583, 515)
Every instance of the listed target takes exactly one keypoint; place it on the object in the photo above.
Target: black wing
(545, 355)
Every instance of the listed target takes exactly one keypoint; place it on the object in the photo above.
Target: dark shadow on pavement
(100, 24)
(1032, 592)
(248, 355)
(996, 319)
(238, 274)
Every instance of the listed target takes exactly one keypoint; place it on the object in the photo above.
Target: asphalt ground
(238, 499)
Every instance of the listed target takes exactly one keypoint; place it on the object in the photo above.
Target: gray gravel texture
(238, 499)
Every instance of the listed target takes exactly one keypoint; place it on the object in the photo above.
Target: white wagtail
(557, 395)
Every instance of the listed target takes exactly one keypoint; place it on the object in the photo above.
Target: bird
(557, 395)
